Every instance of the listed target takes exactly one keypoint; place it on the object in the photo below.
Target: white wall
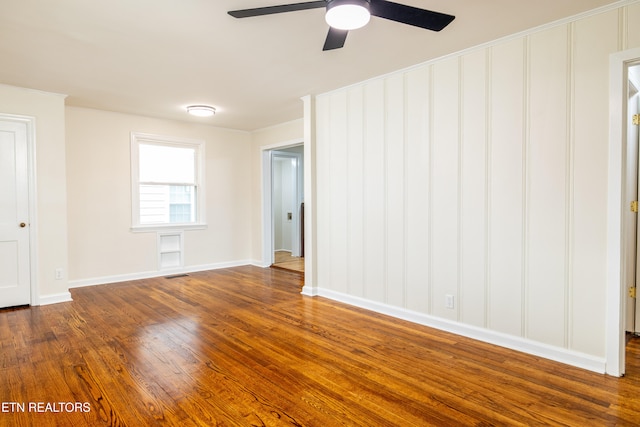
(48, 110)
(101, 246)
(483, 176)
(282, 135)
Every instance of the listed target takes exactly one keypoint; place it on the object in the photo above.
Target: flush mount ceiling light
(201, 110)
(347, 14)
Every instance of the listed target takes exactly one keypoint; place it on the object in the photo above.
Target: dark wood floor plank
(241, 346)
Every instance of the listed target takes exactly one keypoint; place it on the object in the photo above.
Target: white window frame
(138, 138)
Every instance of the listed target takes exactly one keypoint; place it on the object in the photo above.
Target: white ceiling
(154, 57)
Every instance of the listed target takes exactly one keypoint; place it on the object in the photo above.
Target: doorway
(621, 179)
(631, 262)
(16, 235)
(287, 208)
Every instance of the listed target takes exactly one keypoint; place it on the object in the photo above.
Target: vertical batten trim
(365, 167)
(347, 208)
(526, 185)
(363, 186)
(568, 311)
(460, 208)
(488, 165)
(623, 28)
(430, 189)
(327, 190)
(405, 187)
(385, 192)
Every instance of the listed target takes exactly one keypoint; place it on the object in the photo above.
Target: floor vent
(175, 276)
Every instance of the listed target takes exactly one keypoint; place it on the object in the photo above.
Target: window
(167, 184)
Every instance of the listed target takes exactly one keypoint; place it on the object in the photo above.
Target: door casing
(32, 219)
(267, 208)
(616, 288)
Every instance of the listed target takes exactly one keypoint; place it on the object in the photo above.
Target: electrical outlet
(449, 301)
(59, 273)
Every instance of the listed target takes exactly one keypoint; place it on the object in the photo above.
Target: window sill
(153, 228)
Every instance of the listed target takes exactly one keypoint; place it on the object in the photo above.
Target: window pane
(167, 164)
(163, 204)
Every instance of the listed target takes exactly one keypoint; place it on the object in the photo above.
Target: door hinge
(634, 206)
(636, 119)
(632, 292)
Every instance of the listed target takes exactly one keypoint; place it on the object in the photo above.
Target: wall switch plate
(449, 301)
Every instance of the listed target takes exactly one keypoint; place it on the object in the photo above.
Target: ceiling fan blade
(270, 10)
(410, 15)
(335, 39)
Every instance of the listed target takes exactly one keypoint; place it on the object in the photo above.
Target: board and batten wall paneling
(417, 189)
(632, 19)
(374, 196)
(337, 181)
(483, 176)
(323, 195)
(395, 190)
(474, 194)
(594, 39)
(444, 169)
(506, 187)
(548, 193)
(355, 193)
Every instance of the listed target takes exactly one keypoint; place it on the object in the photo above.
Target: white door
(283, 199)
(15, 281)
(633, 139)
(288, 187)
(631, 224)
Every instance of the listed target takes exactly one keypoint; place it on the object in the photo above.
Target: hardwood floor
(284, 260)
(242, 347)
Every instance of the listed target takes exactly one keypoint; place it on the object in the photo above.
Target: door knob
(23, 225)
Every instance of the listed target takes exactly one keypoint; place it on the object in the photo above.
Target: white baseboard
(311, 291)
(151, 274)
(260, 263)
(54, 298)
(558, 354)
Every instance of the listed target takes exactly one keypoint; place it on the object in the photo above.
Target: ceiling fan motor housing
(363, 3)
(348, 14)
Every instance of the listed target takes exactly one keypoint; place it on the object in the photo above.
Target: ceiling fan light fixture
(348, 14)
(201, 110)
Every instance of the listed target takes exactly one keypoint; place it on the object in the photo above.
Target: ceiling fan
(345, 15)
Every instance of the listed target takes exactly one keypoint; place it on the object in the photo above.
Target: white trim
(199, 146)
(104, 280)
(177, 251)
(615, 289)
(55, 298)
(310, 291)
(259, 263)
(166, 228)
(30, 123)
(33, 211)
(267, 207)
(265, 196)
(310, 226)
(535, 348)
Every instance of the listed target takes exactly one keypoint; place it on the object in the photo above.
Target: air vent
(175, 276)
